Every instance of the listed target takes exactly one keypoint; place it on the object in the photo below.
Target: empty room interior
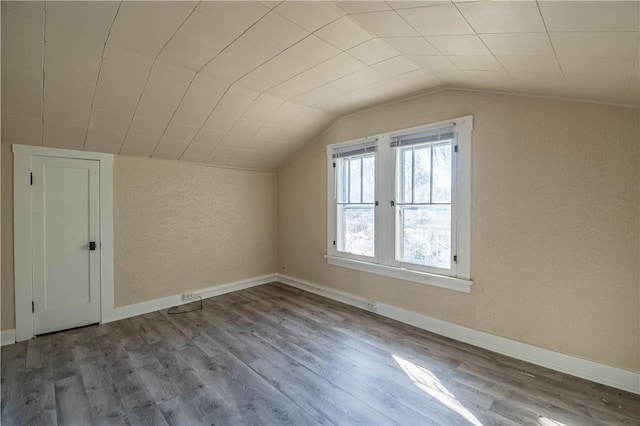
(320, 212)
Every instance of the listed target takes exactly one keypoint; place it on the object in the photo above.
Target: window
(399, 204)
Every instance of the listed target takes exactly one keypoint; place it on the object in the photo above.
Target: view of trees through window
(356, 204)
(424, 204)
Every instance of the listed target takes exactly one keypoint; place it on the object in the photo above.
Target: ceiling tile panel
(161, 96)
(78, 115)
(139, 145)
(591, 15)
(147, 126)
(191, 117)
(598, 66)
(385, 24)
(21, 104)
(119, 87)
(411, 45)
(277, 31)
(434, 62)
(102, 140)
(208, 137)
(344, 33)
(110, 120)
(22, 17)
(310, 16)
(596, 44)
(503, 16)
(459, 45)
(220, 122)
(436, 20)
(126, 57)
(268, 132)
(179, 132)
(22, 51)
(362, 6)
(197, 153)
(518, 44)
(86, 19)
(170, 149)
(236, 101)
(373, 51)
(476, 63)
(243, 56)
(301, 83)
(544, 64)
(144, 27)
(313, 50)
(340, 65)
(64, 135)
(395, 66)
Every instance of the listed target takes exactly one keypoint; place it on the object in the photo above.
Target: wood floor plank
(275, 355)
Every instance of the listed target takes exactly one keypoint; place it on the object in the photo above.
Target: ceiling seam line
(555, 54)
(146, 82)
(95, 90)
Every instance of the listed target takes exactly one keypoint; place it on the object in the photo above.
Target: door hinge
(31, 179)
(33, 307)
(455, 148)
(334, 165)
(455, 257)
(334, 242)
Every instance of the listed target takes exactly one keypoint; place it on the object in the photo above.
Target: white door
(65, 243)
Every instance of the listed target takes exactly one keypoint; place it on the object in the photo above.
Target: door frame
(23, 260)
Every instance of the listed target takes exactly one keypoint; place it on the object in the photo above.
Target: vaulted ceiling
(247, 84)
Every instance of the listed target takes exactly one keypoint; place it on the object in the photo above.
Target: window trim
(384, 263)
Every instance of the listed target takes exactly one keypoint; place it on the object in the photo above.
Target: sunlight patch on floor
(426, 381)
(545, 421)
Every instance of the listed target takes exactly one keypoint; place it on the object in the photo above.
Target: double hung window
(399, 204)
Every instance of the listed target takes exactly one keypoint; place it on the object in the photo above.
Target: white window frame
(384, 263)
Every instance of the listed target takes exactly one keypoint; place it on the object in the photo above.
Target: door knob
(92, 245)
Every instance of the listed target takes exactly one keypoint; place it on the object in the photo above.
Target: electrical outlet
(371, 305)
(188, 296)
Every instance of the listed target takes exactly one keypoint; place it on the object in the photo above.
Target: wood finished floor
(275, 355)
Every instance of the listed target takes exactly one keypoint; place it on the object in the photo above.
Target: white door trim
(22, 230)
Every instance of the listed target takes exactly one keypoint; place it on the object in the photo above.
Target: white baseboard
(141, 308)
(590, 370)
(7, 337)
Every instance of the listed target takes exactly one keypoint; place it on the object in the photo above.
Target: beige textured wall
(180, 226)
(177, 227)
(555, 223)
(7, 318)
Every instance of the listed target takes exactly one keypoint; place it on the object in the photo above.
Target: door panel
(65, 218)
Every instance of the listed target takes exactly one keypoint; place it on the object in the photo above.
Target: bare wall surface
(178, 227)
(182, 227)
(555, 222)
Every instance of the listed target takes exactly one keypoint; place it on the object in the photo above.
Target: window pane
(441, 174)
(406, 181)
(355, 179)
(356, 230)
(422, 175)
(425, 235)
(368, 179)
(342, 180)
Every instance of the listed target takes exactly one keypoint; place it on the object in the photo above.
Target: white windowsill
(451, 283)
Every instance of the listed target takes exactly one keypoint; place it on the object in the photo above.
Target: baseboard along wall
(590, 370)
